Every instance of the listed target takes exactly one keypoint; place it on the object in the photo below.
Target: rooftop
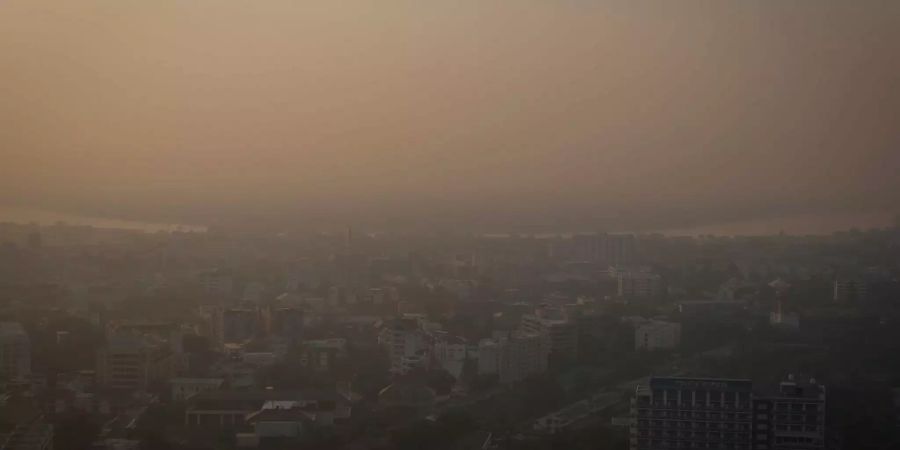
(794, 387)
(715, 384)
(254, 400)
(286, 413)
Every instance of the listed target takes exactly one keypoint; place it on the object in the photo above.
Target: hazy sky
(566, 114)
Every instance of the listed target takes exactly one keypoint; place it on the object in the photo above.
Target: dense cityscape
(123, 339)
(449, 225)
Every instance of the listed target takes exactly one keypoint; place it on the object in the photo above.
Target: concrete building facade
(692, 413)
(709, 413)
(639, 285)
(657, 335)
(513, 357)
(553, 324)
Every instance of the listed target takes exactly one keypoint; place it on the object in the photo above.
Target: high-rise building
(34, 239)
(707, 413)
(782, 316)
(15, 352)
(128, 363)
(692, 413)
(599, 248)
(521, 356)
(588, 247)
(791, 417)
(605, 248)
(286, 323)
(217, 282)
(619, 249)
(554, 325)
(488, 357)
(639, 284)
(408, 346)
(450, 353)
(513, 357)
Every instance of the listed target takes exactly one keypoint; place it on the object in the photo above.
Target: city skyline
(449, 225)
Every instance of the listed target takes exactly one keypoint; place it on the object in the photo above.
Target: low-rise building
(657, 335)
(185, 388)
(561, 419)
(232, 409)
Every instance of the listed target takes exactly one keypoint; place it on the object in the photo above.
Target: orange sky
(564, 114)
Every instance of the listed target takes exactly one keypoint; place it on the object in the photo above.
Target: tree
(75, 432)
(540, 394)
